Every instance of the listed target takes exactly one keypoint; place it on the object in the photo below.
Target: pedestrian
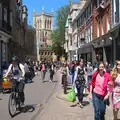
(80, 81)
(43, 71)
(64, 72)
(99, 92)
(107, 67)
(73, 71)
(89, 74)
(28, 77)
(116, 89)
(51, 71)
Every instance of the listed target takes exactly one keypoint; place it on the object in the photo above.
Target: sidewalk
(59, 109)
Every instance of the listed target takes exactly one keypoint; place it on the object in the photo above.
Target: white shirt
(21, 72)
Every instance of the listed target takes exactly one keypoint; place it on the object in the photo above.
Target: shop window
(48, 53)
(11, 19)
(104, 25)
(50, 24)
(5, 14)
(117, 11)
(45, 24)
(98, 28)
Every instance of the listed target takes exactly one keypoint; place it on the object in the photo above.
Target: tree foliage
(58, 35)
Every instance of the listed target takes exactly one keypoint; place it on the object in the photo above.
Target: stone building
(19, 28)
(5, 30)
(85, 31)
(71, 32)
(31, 48)
(43, 23)
(13, 27)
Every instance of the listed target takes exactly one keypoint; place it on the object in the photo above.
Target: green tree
(58, 35)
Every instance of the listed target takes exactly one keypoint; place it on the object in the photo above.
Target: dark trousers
(99, 107)
(44, 73)
(80, 90)
(20, 87)
(64, 82)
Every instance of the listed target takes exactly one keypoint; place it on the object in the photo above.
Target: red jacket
(107, 79)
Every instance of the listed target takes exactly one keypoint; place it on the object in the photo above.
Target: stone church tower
(43, 23)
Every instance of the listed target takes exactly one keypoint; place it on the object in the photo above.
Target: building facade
(102, 41)
(13, 27)
(5, 31)
(116, 29)
(43, 23)
(95, 31)
(31, 46)
(19, 28)
(85, 31)
(71, 30)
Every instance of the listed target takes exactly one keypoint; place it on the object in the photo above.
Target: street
(36, 95)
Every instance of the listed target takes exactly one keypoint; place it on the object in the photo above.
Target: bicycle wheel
(12, 107)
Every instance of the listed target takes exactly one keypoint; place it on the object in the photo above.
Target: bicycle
(14, 103)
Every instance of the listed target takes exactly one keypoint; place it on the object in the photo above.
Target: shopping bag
(72, 95)
(75, 90)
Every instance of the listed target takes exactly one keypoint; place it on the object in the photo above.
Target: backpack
(18, 67)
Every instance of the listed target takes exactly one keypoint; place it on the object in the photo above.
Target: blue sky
(48, 5)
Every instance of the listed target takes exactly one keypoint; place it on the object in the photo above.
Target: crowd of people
(102, 82)
(24, 72)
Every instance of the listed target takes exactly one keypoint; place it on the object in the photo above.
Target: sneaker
(50, 80)
(80, 104)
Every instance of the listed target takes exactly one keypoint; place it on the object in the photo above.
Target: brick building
(102, 41)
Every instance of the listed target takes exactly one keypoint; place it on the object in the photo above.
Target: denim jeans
(73, 74)
(99, 107)
(80, 93)
(89, 79)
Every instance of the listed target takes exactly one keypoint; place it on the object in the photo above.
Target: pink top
(99, 85)
(95, 82)
(43, 67)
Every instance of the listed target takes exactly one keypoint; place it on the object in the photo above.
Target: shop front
(85, 52)
(103, 49)
(116, 43)
(4, 40)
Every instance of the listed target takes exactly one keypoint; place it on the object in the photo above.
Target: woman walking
(64, 72)
(116, 89)
(80, 81)
(99, 91)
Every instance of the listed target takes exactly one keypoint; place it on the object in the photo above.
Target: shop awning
(85, 49)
